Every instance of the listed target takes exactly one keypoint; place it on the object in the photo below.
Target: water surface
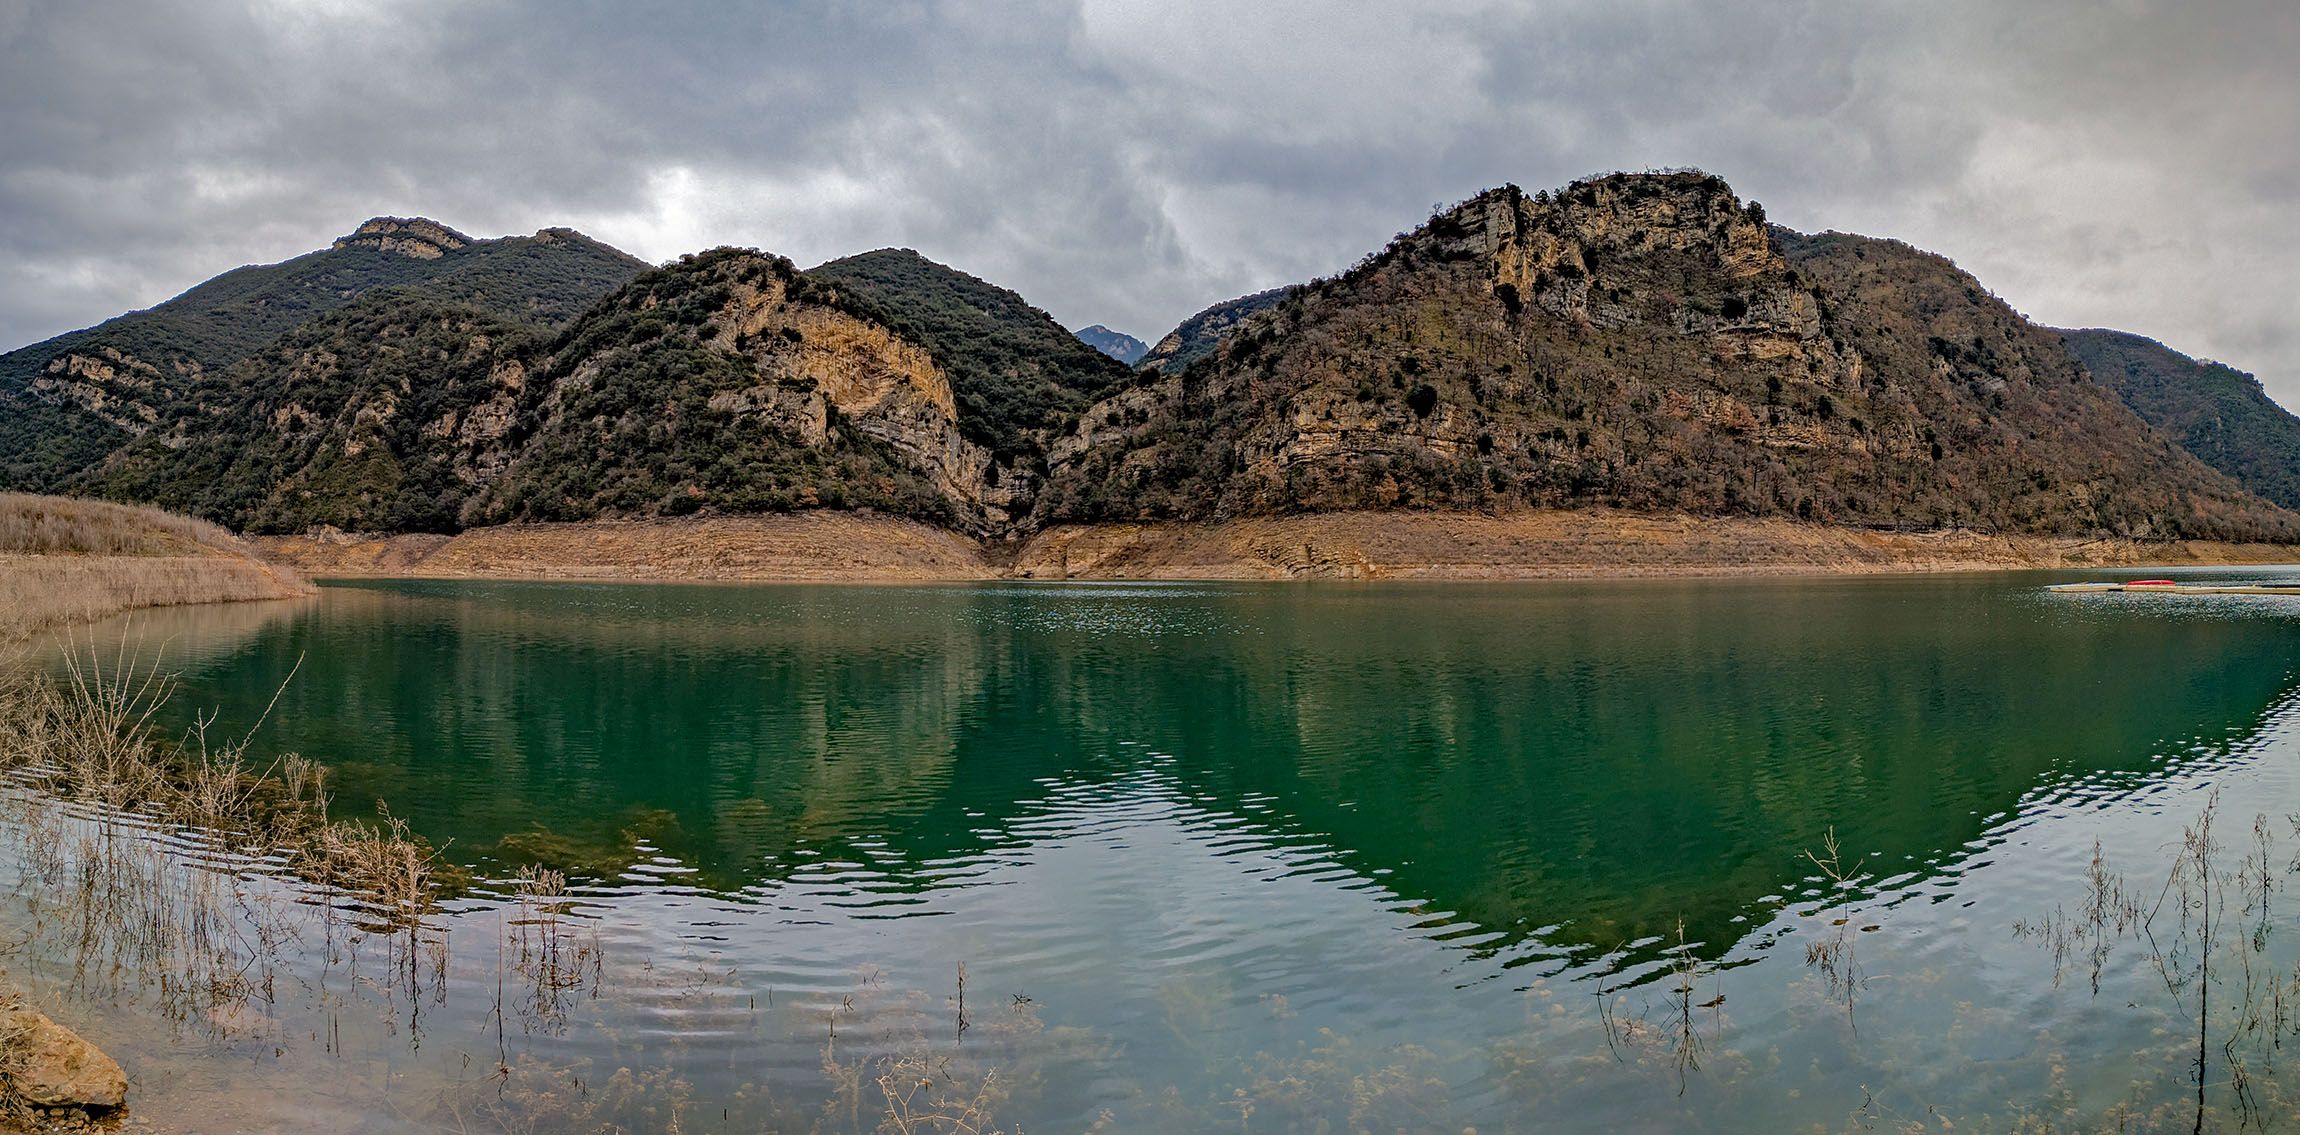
(1237, 850)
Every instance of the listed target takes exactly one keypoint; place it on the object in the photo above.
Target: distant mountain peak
(1116, 344)
(418, 237)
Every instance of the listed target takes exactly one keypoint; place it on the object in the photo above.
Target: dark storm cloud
(2120, 163)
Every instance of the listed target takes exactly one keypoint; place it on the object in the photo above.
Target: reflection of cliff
(577, 720)
(1601, 759)
(1607, 759)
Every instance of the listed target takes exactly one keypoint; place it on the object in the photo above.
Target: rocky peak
(418, 237)
(1675, 250)
(1116, 344)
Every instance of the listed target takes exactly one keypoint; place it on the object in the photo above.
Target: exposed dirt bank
(833, 547)
(805, 546)
(1536, 545)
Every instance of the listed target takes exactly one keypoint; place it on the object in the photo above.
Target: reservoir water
(1183, 857)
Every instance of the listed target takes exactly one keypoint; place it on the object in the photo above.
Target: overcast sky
(2096, 162)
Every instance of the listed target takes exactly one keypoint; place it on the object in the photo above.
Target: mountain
(1194, 338)
(383, 415)
(1644, 342)
(731, 381)
(1117, 344)
(727, 381)
(2216, 412)
(1017, 374)
(67, 402)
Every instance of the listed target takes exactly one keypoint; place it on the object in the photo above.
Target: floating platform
(2169, 587)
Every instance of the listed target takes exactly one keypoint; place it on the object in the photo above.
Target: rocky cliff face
(1643, 342)
(1017, 375)
(730, 381)
(849, 370)
(420, 238)
(384, 415)
(73, 403)
(112, 385)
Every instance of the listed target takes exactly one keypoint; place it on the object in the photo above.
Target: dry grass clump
(177, 869)
(51, 526)
(91, 737)
(64, 560)
(41, 592)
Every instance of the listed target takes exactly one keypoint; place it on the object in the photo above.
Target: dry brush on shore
(64, 560)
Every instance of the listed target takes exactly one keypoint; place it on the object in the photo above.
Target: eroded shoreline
(863, 548)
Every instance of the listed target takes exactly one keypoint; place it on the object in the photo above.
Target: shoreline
(827, 547)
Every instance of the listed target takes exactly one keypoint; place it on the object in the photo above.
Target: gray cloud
(2124, 163)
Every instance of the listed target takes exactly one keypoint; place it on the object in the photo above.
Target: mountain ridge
(68, 401)
(2218, 413)
(1639, 341)
(1117, 344)
(1644, 342)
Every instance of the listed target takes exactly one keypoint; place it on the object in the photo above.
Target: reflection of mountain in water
(1598, 758)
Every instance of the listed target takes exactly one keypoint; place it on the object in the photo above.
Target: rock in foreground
(48, 1065)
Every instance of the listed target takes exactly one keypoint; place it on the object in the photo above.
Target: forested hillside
(2216, 412)
(1194, 338)
(1644, 342)
(66, 403)
(1015, 371)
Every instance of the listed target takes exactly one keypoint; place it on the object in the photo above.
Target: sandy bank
(805, 546)
(1579, 544)
(836, 547)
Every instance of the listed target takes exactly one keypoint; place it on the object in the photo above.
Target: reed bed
(51, 526)
(66, 561)
(137, 846)
(40, 593)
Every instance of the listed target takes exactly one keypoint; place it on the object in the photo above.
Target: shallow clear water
(1402, 857)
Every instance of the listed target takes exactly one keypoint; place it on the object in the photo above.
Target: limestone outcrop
(419, 237)
(1649, 342)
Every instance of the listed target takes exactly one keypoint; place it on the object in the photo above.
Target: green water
(1197, 823)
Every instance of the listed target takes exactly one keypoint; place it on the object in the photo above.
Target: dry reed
(64, 561)
(138, 845)
(49, 526)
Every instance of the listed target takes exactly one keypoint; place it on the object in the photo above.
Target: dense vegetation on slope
(727, 381)
(1016, 371)
(1641, 342)
(1117, 344)
(702, 385)
(1644, 342)
(2031, 443)
(1194, 338)
(2216, 412)
(67, 402)
(357, 419)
